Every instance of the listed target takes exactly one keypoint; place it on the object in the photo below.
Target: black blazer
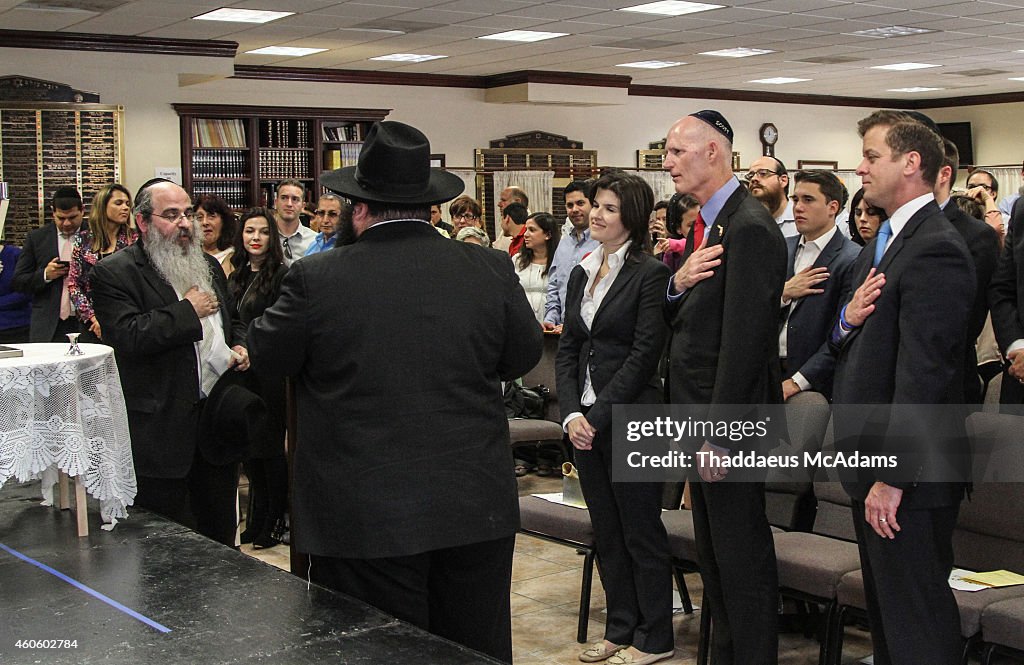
(725, 341)
(983, 245)
(153, 334)
(40, 248)
(1006, 300)
(397, 345)
(908, 351)
(622, 348)
(811, 318)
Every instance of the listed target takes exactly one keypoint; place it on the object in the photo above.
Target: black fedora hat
(394, 167)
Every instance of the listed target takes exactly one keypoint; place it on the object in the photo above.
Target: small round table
(67, 413)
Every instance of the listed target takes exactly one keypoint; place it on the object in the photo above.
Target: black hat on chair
(394, 167)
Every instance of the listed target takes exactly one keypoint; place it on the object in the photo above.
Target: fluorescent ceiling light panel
(651, 64)
(738, 52)
(671, 8)
(1017, 78)
(524, 36)
(890, 31)
(779, 80)
(293, 51)
(241, 15)
(408, 57)
(915, 89)
(904, 66)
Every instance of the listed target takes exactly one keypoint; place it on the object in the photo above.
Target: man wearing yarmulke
(724, 310)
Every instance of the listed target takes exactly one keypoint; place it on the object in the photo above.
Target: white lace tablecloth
(68, 413)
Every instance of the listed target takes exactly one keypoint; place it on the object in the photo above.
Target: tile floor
(545, 602)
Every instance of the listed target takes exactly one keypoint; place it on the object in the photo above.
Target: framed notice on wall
(44, 146)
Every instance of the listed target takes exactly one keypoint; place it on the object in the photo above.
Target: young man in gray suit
(404, 495)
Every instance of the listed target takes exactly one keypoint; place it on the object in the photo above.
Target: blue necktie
(884, 233)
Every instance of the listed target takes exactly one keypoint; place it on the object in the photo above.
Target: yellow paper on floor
(996, 578)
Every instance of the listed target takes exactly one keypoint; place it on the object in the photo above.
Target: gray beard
(181, 267)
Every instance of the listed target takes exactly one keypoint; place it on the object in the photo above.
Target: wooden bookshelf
(240, 153)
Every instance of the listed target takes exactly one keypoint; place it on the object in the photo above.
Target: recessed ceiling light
(408, 57)
(293, 51)
(1017, 78)
(915, 89)
(651, 64)
(524, 36)
(779, 80)
(890, 31)
(738, 52)
(241, 15)
(904, 66)
(671, 8)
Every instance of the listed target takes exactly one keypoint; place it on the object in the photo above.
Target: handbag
(521, 402)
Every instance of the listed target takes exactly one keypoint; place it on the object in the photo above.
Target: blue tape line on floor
(92, 592)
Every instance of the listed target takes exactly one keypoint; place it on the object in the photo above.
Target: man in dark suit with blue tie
(724, 311)
(42, 269)
(818, 274)
(900, 340)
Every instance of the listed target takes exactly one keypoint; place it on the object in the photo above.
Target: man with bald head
(171, 326)
(724, 310)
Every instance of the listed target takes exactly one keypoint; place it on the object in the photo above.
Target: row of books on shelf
(345, 155)
(221, 164)
(284, 134)
(218, 133)
(235, 194)
(342, 133)
(276, 164)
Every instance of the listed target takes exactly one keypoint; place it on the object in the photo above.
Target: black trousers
(911, 609)
(737, 564)
(204, 500)
(460, 593)
(632, 551)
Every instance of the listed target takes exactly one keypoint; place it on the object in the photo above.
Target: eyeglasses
(172, 216)
(330, 214)
(987, 188)
(287, 250)
(467, 215)
(760, 173)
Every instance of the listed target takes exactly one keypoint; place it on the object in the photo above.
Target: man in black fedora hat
(404, 494)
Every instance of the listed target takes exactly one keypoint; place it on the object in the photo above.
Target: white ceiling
(976, 45)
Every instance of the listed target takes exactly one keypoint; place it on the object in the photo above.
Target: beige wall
(458, 120)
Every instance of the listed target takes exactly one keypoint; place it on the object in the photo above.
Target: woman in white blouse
(534, 260)
(612, 340)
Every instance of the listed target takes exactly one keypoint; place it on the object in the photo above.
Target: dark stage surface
(194, 601)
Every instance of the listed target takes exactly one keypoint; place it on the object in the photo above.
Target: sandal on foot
(627, 658)
(599, 651)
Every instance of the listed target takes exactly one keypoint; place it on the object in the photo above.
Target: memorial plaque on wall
(46, 146)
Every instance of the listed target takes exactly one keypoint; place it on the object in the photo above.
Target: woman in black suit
(255, 283)
(611, 343)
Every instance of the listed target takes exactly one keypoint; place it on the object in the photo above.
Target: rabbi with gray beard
(170, 323)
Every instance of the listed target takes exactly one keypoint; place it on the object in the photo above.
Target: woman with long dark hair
(864, 219)
(109, 230)
(534, 259)
(612, 340)
(255, 284)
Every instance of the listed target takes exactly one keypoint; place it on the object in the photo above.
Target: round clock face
(769, 134)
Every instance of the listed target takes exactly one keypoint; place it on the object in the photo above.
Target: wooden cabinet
(240, 153)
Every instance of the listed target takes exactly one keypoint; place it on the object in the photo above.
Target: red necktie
(698, 232)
